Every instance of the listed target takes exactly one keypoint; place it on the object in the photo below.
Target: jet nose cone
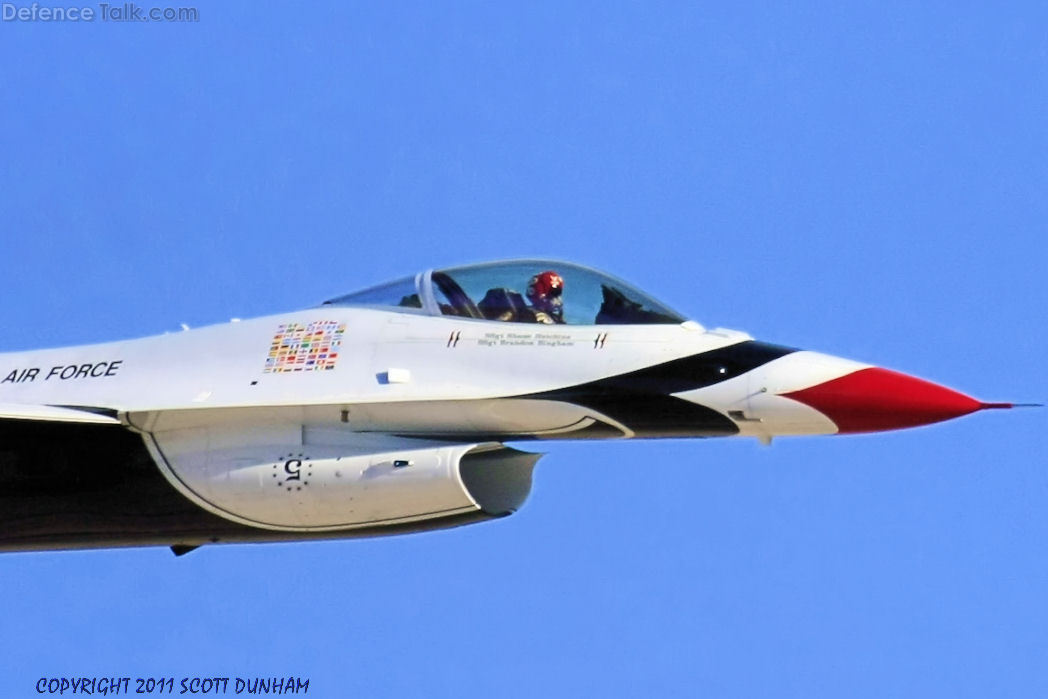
(874, 399)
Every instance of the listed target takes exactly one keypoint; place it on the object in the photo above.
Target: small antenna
(1005, 406)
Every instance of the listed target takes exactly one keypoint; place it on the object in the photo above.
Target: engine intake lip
(498, 480)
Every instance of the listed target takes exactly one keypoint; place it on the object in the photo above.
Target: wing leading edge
(58, 413)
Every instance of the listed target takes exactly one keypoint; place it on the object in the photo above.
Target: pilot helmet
(544, 292)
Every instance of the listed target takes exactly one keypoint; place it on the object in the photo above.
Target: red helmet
(545, 285)
(544, 292)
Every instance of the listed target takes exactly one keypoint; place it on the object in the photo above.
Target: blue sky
(865, 180)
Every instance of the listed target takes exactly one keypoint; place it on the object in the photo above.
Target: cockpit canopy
(518, 291)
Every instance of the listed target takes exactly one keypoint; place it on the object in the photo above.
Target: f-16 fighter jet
(387, 410)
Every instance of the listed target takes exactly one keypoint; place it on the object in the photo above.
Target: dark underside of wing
(67, 485)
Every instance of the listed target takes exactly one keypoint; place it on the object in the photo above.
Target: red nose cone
(871, 400)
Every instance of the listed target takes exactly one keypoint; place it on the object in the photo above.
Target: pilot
(545, 292)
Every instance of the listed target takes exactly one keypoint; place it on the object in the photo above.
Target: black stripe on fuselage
(691, 372)
(642, 401)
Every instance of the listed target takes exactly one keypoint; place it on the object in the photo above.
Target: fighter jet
(387, 410)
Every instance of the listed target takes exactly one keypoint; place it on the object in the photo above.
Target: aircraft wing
(75, 477)
(58, 413)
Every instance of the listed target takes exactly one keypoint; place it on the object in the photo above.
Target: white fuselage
(387, 410)
(395, 370)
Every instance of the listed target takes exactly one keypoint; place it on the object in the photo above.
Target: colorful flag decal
(312, 347)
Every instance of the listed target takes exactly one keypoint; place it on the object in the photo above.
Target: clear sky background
(865, 180)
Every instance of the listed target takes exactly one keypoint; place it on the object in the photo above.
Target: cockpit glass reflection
(401, 294)
(551, 293)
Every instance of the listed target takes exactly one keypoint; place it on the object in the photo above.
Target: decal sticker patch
(312, 347)
(290, 472)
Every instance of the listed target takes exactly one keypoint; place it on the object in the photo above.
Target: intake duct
(499, 480)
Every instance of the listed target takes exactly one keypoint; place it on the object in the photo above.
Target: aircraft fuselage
(345, 420)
